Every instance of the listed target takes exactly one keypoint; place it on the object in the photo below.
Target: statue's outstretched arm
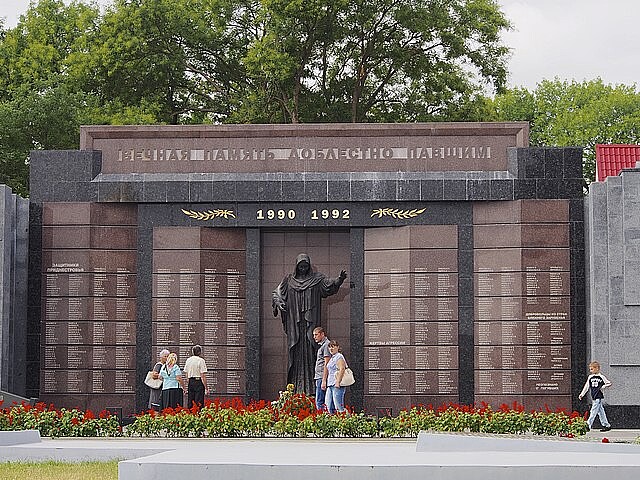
(278, 299)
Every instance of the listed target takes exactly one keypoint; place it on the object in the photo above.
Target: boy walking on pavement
(595, 384)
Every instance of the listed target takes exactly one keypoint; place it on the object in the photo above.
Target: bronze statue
(298, 299)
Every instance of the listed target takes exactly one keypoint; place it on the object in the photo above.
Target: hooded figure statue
(298, 299)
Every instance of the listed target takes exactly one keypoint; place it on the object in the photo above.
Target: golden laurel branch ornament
(397, 213)
(209, 214)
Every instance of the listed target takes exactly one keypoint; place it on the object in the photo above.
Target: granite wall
(415, 238)
(613, 308)
(14, 230)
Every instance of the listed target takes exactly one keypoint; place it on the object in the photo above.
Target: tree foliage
(563, 113)
(39, 107)
(376, 60)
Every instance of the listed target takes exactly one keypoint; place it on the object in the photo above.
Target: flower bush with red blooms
(292, 415)
(52, 422)
(512, 419)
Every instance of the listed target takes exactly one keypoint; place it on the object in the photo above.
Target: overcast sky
(569, 39)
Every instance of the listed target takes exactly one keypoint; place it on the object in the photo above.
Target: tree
(299, 61)
(44, 44)
(45, 94)
(376, 60)
(563, 113)
(37, 108)
(184, 56)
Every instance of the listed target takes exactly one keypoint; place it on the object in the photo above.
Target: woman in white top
(172, 383)
(336, 367)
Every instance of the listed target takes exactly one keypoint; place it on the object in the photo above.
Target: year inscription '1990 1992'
(290, 214)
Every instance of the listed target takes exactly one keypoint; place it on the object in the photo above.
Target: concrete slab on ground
(357, 460)
(353, 459)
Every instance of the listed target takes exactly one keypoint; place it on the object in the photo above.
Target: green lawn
(59, 471)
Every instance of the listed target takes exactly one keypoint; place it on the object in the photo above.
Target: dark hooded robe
(301, 294)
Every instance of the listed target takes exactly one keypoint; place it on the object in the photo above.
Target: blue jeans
(335, 399)
(597, 410)
(320, 395)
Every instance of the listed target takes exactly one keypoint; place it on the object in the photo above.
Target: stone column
(14, 214)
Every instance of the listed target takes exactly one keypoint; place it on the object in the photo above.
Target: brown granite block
(387, 238)
(181, 238)
(545, 235)
(223, 238)
(66, 213)
(545, 211)
(493, 236)
(497, 260)
(496, 212)
(114, 214)
(434, 236)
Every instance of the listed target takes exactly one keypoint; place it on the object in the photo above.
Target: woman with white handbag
(154, 381)
(337, 367)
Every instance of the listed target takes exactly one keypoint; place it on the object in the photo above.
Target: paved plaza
(433, 455)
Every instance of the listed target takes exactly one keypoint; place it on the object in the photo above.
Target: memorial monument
(298, 301)
(464, 247)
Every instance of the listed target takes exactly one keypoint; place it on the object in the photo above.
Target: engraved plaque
(502, 382)
(546, 308)
(387, 285)
(434, 309)
(436, 382)
(498, 284)
(79, 261)
(547, 382)
(388, 309)
(438, 357)
(388, 333)
(434, 333)
(548, 332)
(386, 382)
(498, 308)
(176, 261)
(199, 298)
(89, 288)
(499, 333)
(226, 382)
(508, 357)
(545, 258)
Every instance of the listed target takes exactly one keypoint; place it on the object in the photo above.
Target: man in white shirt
(195, 369)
